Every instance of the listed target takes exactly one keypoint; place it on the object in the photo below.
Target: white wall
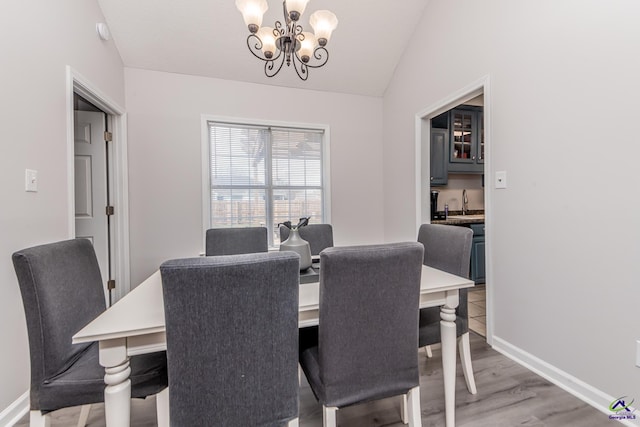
(164, 113)
(38, 39)
(564, 236)
(564, 275)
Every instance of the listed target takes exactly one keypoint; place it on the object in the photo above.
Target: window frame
(205, 159)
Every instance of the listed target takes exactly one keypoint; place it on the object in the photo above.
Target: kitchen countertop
(456, 218)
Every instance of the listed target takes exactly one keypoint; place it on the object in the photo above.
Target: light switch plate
(31, 180)
(501, 179)
(638, 353)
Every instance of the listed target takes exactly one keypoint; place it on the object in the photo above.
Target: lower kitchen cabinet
(478, 273)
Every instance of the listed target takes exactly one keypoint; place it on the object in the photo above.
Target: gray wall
(564, 236)
(164, 113)
(38, 39)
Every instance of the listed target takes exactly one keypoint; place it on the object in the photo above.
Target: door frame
(117, 123)
(422, 133)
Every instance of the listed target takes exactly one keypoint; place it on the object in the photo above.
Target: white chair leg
(329, 416)
(403, 410)
(465, 358)
(293, 423)
(428, 350)
(413, 407)
(84, 415)
(300, 374)
(162, 408)
(37, 419)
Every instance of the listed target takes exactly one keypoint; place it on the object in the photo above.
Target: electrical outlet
(31, 180)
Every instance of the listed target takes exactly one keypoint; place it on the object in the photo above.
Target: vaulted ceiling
(208, 38)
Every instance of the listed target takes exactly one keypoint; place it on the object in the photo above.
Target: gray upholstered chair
(62, 291)
(234, 241)
(319, 236)
(365, 347)
(232, 339)
(448, 248)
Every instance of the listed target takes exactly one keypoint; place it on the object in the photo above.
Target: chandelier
(288, 43)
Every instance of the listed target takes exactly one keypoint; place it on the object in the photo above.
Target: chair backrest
(447, 247)
(232, 339)
(319, 236)
(234, 241)
(368, 332)
(61, 289)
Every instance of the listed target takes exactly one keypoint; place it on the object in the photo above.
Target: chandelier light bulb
(323, 23)
(307, 46)
(296, 8)
(268, 41)
(252, 12)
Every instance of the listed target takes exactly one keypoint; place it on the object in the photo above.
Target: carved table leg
(117, 393)
(448, 337)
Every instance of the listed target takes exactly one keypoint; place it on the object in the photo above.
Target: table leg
(117, 393)
(448, 338)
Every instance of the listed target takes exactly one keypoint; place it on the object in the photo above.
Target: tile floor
(476, 301)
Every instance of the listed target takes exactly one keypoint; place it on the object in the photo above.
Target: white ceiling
(208, 38)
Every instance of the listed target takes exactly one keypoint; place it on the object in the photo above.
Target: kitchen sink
(468, 217)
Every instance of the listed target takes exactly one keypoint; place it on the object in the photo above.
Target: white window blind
(262, 176)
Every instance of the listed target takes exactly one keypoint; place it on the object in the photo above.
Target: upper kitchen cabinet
(439, 149)
(466, 141)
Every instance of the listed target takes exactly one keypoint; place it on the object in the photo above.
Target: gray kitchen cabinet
(439, 152)
(478, 272)
(466, 140)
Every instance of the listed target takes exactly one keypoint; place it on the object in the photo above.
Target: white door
(90, 166)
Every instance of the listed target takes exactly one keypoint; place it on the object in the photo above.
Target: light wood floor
(508, 395)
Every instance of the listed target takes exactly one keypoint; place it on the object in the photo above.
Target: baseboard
(583, 391)
(14, 412)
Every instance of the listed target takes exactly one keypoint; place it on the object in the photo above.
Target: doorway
(97, 180)
(473, 93)
(92, 173)
(457, 190)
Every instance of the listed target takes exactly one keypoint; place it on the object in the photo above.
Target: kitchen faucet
(465, 202)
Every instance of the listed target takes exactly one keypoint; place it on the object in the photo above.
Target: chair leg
(84, 415)
(465, 358)
(427, 348)
(329, 416)
(403, 409)
(162, 408)
(38, 419)
(413, 407)
(293, 423)
(300, 374)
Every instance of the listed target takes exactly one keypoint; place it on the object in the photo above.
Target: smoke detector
(103, 31)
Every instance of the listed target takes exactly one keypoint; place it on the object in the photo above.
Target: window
(264, 175)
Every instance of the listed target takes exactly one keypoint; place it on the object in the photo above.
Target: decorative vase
(297, 244)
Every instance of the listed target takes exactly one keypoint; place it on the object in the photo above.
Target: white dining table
(135, 325)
